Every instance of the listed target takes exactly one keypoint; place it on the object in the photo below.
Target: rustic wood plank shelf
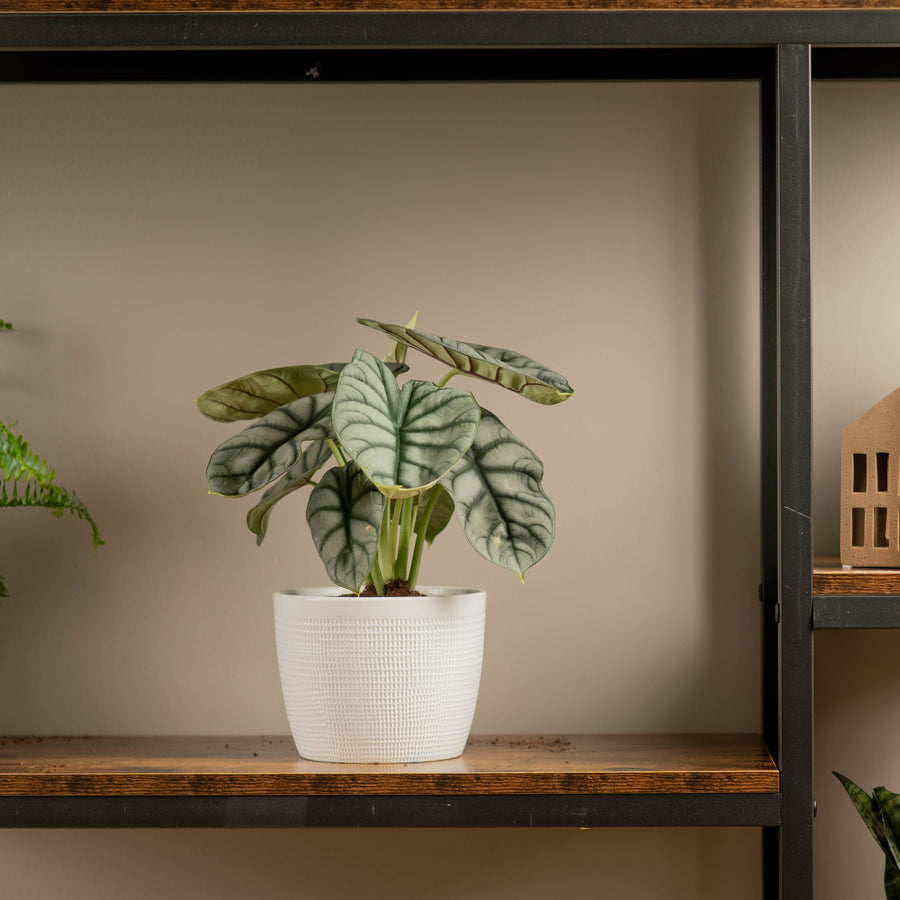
(508, 780)
(855, 597)
(189, 766)
(830, 577)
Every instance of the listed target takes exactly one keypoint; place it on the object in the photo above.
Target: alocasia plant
(405, 456)
(881, 813)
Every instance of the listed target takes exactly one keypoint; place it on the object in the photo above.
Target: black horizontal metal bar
(856, 62)
(472, 64)
(582, 811)
(475, 28)
(831, 612)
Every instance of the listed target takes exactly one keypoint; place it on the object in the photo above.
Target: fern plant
(28, 480)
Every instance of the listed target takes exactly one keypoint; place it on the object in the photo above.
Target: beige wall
(156, 240)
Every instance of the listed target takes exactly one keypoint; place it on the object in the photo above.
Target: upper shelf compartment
(855, 598)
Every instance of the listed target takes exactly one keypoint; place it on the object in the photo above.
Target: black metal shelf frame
(569, 28)
(773, 48)
(421, 811)
(855, 612)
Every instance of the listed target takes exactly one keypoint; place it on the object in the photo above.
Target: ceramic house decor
(870, 487)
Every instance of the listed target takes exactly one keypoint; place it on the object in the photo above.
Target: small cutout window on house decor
(870, 486)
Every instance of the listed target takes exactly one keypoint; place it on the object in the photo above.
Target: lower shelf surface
(509, 780)
(508, 764)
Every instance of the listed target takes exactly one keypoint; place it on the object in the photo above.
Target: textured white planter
(380, 679)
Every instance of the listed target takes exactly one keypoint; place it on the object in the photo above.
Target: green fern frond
(28, 480)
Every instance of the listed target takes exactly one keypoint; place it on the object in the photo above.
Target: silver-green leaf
(508, 368)
(344, 515)
(404, 439)
(266, 449)
(299, 475)
(259, 393)
(500, 502)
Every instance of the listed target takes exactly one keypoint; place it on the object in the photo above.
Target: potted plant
(403, 459)
(28, 480)
(881, 813)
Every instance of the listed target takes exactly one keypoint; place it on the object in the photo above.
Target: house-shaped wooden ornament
(870, 486)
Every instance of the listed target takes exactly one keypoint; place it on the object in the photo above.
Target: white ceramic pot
(380, 679)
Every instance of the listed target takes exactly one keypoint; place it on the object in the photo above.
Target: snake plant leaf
(868, 809)
(404, 439)
(266, 449)
(500, 502)
(891, 881)
(299, 475)
(890, 807)
(890, 819)
(441, 512)
(344, 516)
(259, 393)
(507, 368)
(891, 865)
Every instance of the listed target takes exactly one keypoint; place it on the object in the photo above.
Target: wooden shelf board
(445, 6)
(830, 578)
(491, 765)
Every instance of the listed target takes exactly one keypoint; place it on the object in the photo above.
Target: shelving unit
(762, 780)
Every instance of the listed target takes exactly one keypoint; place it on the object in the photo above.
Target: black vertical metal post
(769, 408)
(794, 602)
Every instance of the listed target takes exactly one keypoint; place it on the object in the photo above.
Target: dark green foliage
(881, 813)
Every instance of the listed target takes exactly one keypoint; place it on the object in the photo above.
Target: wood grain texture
(232, 766)
(830, 578)
(260, 6)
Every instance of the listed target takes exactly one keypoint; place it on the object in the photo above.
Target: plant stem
(336, 452)
(448, 376)
(413, 576)
(407, 521)
(377, 580)
(384, 557)
(397, 508)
